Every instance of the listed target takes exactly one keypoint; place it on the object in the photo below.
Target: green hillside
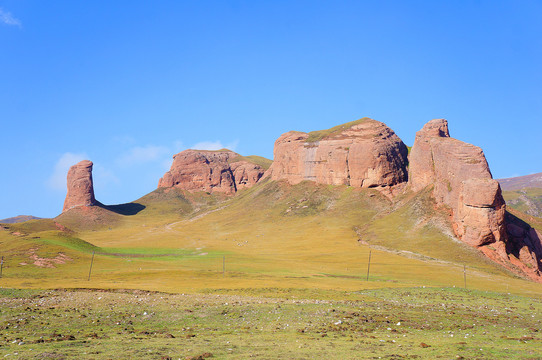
(273, 235)
(527, 200)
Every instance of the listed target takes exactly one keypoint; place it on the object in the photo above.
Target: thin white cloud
(8, 19)
(143, 154)
(214, 145)
(57, 180)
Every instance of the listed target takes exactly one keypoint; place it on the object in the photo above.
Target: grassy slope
(258, 160)
(271, 236)
(322, 134)
(526, 200)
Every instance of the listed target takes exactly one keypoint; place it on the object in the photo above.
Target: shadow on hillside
(125, 209)
(528, 237)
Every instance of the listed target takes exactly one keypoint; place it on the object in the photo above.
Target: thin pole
(465, 275)
(90, 270)
(1, 266)
(223, 265)
(369, 265)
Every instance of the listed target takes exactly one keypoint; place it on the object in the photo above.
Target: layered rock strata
(222, 171)
(80, 186)
(364, 153)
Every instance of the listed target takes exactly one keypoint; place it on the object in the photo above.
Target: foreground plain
(407, 323)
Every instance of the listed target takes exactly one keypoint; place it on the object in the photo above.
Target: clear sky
(127, 84)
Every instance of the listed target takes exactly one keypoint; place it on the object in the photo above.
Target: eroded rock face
(421, 169)
(479, 218)
(80, 186)
(365, 154)
(246, 173)
(211, 171)
(462, 181)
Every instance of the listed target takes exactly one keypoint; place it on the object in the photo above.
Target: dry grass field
(276, 266)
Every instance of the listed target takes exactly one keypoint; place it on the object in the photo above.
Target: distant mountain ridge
(524, 193)
(521, 182)
(19, 219)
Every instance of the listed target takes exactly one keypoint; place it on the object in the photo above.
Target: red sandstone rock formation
(364, 153)
(80, 186)
(221, 171)
(246, 173)
(421, 169)
(462, 181)
(479, 218)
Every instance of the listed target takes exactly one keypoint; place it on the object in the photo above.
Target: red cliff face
(462, 181)
(479, 217)
(365, 153)
(80, 186)
(221, 171)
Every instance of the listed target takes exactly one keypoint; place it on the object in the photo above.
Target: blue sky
(127, 84)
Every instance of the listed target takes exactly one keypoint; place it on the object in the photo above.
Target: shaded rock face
(462, 181)
(211, 171)
(523, 247)
(80, 186)
(367, 154)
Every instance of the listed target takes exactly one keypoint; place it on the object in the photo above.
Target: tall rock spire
(80, 186)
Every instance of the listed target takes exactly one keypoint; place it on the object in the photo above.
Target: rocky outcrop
(246, 173)
(364, 153)
(421, 164)
(222, 171)
(523, 248)
(479, 218)
(80, 186)
(462, 181)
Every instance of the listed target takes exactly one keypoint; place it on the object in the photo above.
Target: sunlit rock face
(80, 186)
(222, 171)
(365, 153)
(462, 181)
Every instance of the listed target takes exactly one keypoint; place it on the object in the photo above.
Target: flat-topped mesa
(80, 186)
(221, 171)
(462, 181)
(363, 153)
